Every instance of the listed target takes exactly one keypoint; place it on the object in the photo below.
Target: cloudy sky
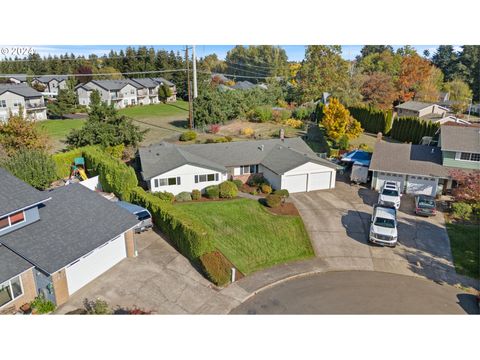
(294, 52)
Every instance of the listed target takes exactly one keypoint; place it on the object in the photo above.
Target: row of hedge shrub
(412, 129)
(373, 120)
(63, 161)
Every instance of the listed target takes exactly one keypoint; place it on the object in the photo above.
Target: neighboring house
(423, 169)
(55, 242)
(52, 83)
(15, 78)
(420, 109)
(287, 164)
(442, 119)
(14, 97)
(120, 93)
(148, 92)
(161, 81)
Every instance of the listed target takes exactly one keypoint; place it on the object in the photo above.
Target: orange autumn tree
(338, 122)
(414, 72)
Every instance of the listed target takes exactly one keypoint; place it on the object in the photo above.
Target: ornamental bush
(266, 189)
(228, 190)
(165, 196)
(262, 114)
(183, 196)
(273, 200)
(115, 151)
(212, 192)
(188, 135)
(216, 267)
(247, 132)
(238, 183)
(303, 113)
(42, 305)
(462, 210)
(296, 124)
(196, 194)
(282, 192)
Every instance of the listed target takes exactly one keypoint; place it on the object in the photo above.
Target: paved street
(359, 292)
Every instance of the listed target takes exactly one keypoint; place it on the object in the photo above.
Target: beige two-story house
(21, 99)
(120, 93)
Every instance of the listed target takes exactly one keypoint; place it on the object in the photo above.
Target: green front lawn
(58, 129)
(249, 236)
(464, 242)
(178, 108)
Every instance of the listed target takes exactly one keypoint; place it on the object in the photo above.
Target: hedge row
(63, 162)
(412, 129)
(373, 120)
(190, 237)
(114, 175)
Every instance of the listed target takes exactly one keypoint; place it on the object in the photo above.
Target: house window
(248, 169)
(10, 290)
(206, 178)
(132, 92)
(12, 220)
(469, 156)
(17, 103)
(4, 223)
(167, 181)
(133, 101)
(125, 102)
(3, 103)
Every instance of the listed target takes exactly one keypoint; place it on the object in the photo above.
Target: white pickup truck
(383, 227)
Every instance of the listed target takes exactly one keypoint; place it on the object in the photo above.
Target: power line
(99, 74)
(239, 76)
(250, 65)
(247, 71)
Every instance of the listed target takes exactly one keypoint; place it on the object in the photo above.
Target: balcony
(152, 93)
(116, 96)
(141, 93)
(31, 106)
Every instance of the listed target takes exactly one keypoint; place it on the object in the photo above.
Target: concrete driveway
(338, 223)
(160, 280)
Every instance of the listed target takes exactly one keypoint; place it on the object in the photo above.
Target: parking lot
(338, 223)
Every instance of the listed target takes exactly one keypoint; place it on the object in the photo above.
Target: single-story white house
(287, 164)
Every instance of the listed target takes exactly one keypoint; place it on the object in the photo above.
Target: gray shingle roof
(74, 222)
(19, 77)
(408, 159)
(145, 82)
(20, 89)
(221, 155)
(414, 105)
(161, 81)
(16, 194)
(460, 138)
(46, 79)
(114, 85)
(11, 264)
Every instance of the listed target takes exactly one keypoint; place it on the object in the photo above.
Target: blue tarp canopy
(359, 157)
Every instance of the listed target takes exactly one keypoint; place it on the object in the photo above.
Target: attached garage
(309, 177)
(381, 177)
(82, 271)
(320, 180)
(295, 183)
(421, 185)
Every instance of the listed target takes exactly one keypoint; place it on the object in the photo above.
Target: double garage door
(421, 185)
(307, 182)
(84, 270)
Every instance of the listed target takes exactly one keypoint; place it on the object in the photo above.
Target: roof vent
(157, 154)
(261, 147)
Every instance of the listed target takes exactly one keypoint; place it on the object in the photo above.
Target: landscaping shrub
(183, 196)
(196, 194)
(42, 305)
(257, 180)
(262, 114)
(212, 192)
(333, 152)
(282, 192)
(114, 175)
(412, 129)
(97, 307)
(214, 128)
(228, 138)
(216, 267)
(189, 236)
(165, 196)
(247, 132)
(296, 124)
(64, 161)
(221, 140)
(303, 113)
(372, 120)
(209, 141)
(462, 210)
(343, 143)
(115, 151)
(228, 190)
(35, 167)
(273, 200)
(266, 189)
(238, 183)
(188, 135)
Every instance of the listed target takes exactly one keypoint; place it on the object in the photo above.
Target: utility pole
(194, 67)
(189, 90)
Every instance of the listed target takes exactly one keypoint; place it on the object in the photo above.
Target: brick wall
(60, 286)
(244, 178)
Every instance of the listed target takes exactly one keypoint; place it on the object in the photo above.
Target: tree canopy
(338, 122)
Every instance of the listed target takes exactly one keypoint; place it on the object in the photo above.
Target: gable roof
(19, 77)
(414, 105)
(145, 82)
(73, 223)
(11, 264)
(158, 159)
(114, 85)
(16, 194)
(408, 159)
(20, 89)
(48, 78)
(161, 80)
(460, 138)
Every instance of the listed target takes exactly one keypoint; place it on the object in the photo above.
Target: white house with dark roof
(16, 97)
(51, 83)
(287, 164)
(15, 78)
(161, 81)
(55, 242)
(420, 109)
(148, 91)
(120, 93)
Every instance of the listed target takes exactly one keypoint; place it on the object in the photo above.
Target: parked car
(142, 214)
(390, 194)
(383, 226)
(425, 205)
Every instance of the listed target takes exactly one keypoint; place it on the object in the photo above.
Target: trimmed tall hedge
(189, 236)
(63, 161)
(373, 120)
(412, 129)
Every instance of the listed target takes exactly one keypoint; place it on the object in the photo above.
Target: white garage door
(94, 264)
(319, 181)
(295, 183)
(382, 177)
(421, 185)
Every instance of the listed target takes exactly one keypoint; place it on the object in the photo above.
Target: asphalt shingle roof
(46, 79)
(11, 264)
(16, 194)
(114, 85)
(145, 82)
(74, 222)
(19, 77)
(460, 138)
(408, 159)
(20, 89)
(414, 105)
(164, 81)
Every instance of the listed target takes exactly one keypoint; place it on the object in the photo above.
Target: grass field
(464, 242)
(249, 236)
(57, 130)
(177, 108)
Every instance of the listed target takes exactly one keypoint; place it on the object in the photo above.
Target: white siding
(11, 99)
(381, 177)
(309, 177)
(83, 96)
(421, 185)
(187, 179)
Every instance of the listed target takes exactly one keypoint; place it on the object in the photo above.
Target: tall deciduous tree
(338, 122)
(460, 95)
(468, 185)
(378, 90)
(323, 70)
(413, 73)
(429, 90)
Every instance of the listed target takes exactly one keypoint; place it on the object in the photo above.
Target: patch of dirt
(284, 209)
